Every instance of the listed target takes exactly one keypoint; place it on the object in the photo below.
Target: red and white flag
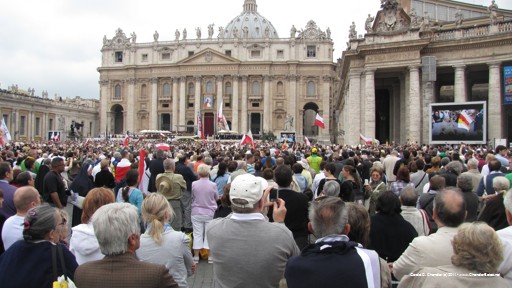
(143, 177)
(306, 140)
(56, 137)
(199, 126)
(126, 140)
(366, 140)
(122, 167)
(219, 114)
(247, 139)
(52, 138)
(319, 121)
(465, 120)
(162, 135)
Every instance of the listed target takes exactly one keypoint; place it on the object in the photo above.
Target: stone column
(414, 105)
(130, 106)
(326, 109)
(292, 101)
(369, 123)
(494, 102)
(197, 98)
(428, 96)
(104, 106)
(352, 127)
(267, 116)
(460, 84)
(244, 116)
(175, 103)
(234, 105)
(153, 120)
(183, 104)
(219, 98)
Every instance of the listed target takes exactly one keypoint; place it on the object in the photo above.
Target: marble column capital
(413, 68)
(183, 79)
(459, 66)
(219, 78)
(370, 71)
(197, 78)
(154, 80)
(131, 81)
(494, 64)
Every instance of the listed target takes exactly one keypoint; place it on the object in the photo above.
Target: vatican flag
(5, 136)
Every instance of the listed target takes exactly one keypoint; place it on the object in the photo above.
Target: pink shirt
(204, 197)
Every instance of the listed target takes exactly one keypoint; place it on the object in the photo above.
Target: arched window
(117, 92)
(143, 91)
(191, 89)
(311, 89)
(190, 127)
(256, 88)
(209, 87)
(228, 89)
(280, 88)
(166, 90)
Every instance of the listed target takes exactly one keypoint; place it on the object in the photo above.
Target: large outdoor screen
(454, 123)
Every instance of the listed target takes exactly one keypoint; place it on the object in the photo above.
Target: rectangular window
(255, 104)
(190, 53)
(228, 105)
(190, 105)
(228, 52)
(255, 53)
(38, 126)
(166, 56)
(50, 124)
(311, 51)
(144, 57)
(119, 57)
(6, 118)
(165, 105)
(22, 125)
(280, 53)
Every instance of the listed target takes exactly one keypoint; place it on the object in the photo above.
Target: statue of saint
(459, 17)
(328, 31)
(267, 32)
(288, 123)
(210, 31)
(414, 18)
(198, 33)
(246, 32)
(352, 33)
(184, 33)
(235, 32)
(155, 36)
(134, 37)
(221, 33)
(105, 40)
(177, 34)
(293, 31)
(368, 24)
(493, 15)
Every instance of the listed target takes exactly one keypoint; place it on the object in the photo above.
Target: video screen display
(289, 136)
(454, 123)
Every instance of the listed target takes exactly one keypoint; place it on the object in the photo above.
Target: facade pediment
(209, 56)
(391, 19)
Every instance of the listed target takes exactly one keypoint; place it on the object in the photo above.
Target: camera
(274, 194)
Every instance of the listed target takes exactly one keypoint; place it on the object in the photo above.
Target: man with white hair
(473, 173)
(117, 228)
(247, 250)
(505, 268)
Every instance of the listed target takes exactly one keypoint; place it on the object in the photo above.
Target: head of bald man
(26, 197)
(449, 207)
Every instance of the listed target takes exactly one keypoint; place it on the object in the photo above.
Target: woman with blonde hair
(161, 244)
(83, 243)
(471, 265)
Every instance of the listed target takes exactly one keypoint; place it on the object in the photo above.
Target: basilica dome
(250, 24)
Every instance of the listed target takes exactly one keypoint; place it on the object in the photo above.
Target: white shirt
(13, 230)
(505, 267)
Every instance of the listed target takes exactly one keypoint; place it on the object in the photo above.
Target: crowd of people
(104, 214)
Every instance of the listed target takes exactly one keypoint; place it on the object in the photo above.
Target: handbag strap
(420, 181)
(62, 263)
(54, 262)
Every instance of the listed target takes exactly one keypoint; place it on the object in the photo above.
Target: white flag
(5, 136)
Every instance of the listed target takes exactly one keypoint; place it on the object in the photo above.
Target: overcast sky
(54, 45)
